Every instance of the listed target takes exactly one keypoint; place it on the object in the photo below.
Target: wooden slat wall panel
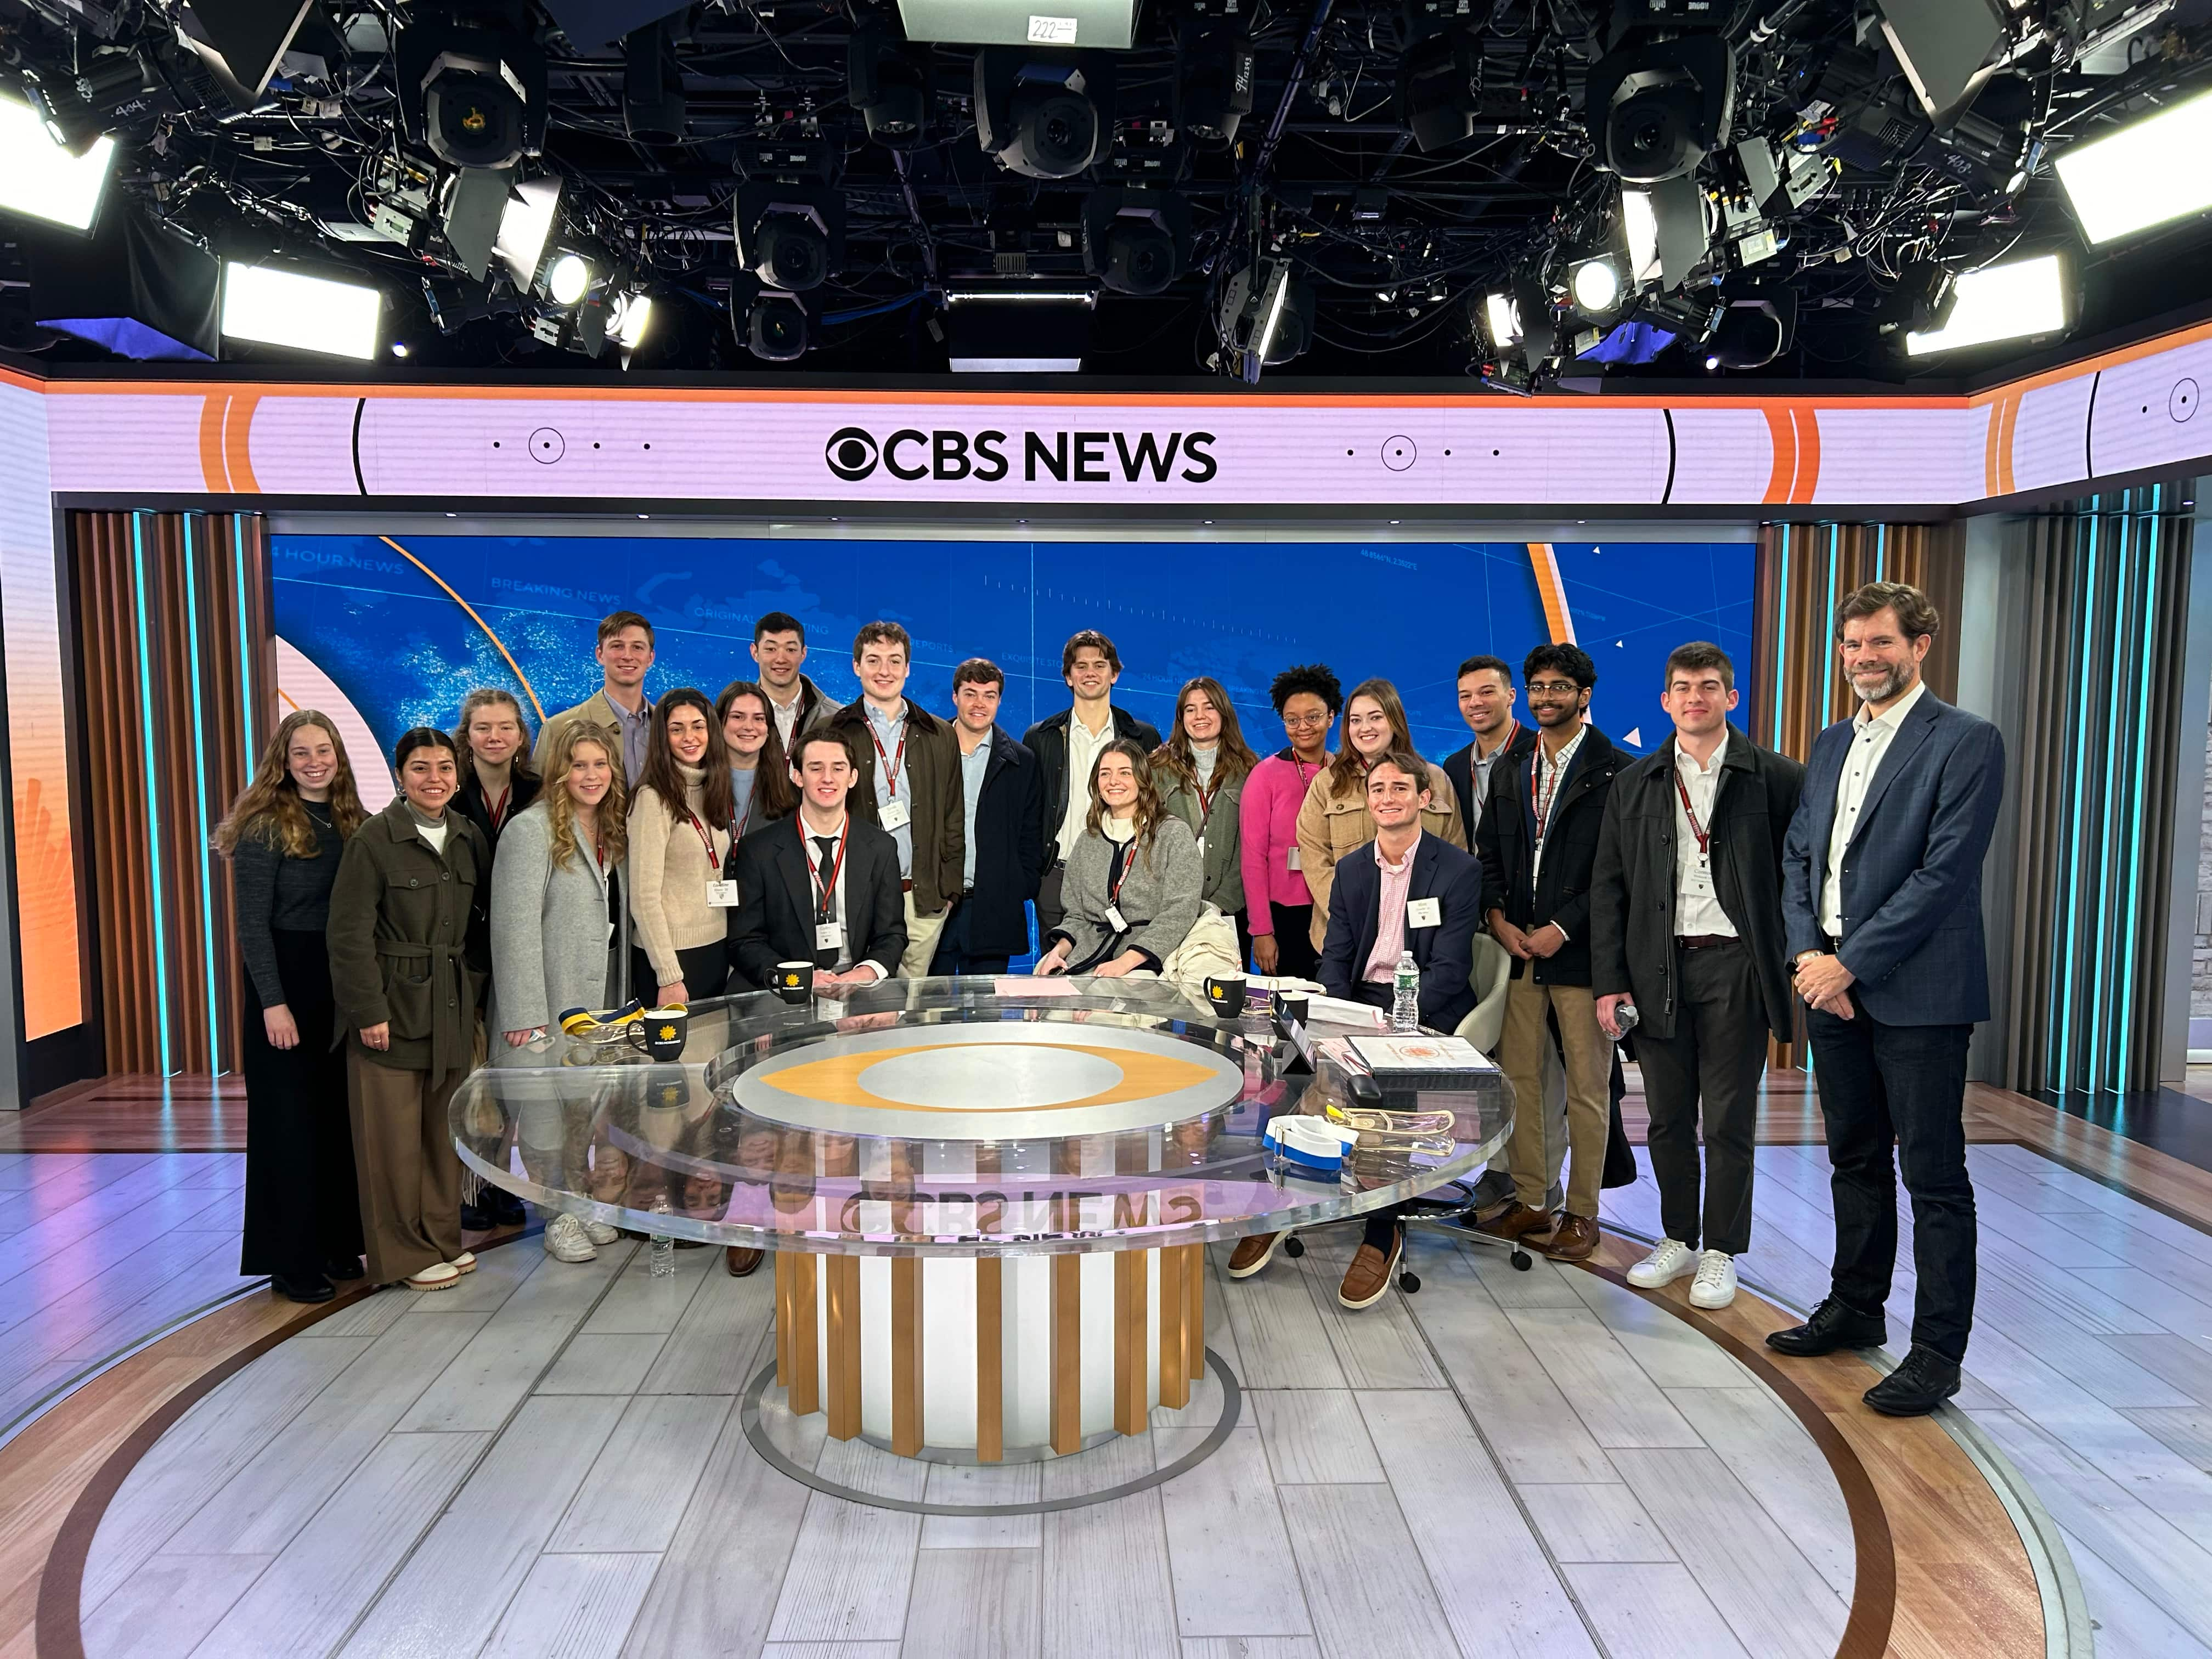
(170, 733)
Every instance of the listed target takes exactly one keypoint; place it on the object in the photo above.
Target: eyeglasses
(1554, 687)
(1294, 721)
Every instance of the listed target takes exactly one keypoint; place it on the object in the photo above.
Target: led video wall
(389, 632)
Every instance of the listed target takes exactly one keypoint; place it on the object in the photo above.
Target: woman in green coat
(1199, 772)
(408, 884)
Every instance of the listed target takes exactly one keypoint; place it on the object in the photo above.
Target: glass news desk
(986, 1199)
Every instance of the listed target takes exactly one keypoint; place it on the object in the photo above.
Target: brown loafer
(1251, 1253)
(739, 1260)
(1517, 1221)
(1368, 1276)
(1574, 1238)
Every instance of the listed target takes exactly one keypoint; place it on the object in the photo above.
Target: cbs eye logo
(851, 454)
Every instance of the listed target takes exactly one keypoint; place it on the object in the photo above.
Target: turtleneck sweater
(669, 869)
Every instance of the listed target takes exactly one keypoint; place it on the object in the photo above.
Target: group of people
(676, 847)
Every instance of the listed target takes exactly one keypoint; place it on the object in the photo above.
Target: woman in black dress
(282, 838)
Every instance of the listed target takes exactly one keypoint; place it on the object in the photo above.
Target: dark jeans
(953, 956)
(708, 971)
(1903, 1083)
(1295, 956)
(1713, 1059)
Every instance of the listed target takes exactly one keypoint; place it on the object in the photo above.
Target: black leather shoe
(476, 1218)
(507, 1209)
(347, 1267)
(1832, 1326)
(311, 1291)
(1924, 1382)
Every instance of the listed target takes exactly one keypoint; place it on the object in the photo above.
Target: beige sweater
(668, 874)
(1332, 826)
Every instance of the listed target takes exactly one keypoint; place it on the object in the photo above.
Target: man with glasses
(1538, 844)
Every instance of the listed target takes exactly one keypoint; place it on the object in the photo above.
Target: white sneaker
(438, 1276)
(599, 1232)
(567, 1241)
(1670, 1261)
(1716, 1285)
(466, 1262)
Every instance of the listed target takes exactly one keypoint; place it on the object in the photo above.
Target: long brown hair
(483, 696)
(1233, 757)
(1150, 808)
(560, 807)
(269, 806)
(775, 795)
(660, 774)
(1346, 771)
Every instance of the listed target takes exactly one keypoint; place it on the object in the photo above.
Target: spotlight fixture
(41, 179)
(1213, 78)
(1498, 317)
(524, 225)
(776, 329)
(275, 307)
(1753, 326)
(1045, 114)
(567, 279)
(2017, 301)
(633, 316)
(1440, 88)
(473, 91)
(890, 82)
(2148, 172)
(1267, 318)
(1597, 286)
(242, 42)
(1946, 48)
(1655, 106)
(114, 91)
(653, 84)
(1921, 303)
(791, 233)
(1135, 241)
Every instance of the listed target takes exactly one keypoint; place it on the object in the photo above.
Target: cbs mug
(794, 981)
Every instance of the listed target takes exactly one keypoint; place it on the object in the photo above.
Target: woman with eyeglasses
(1279, 905)
(1199, 772)
(1334, 820)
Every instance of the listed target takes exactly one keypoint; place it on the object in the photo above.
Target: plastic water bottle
(661, 1264)
(1406, 1000)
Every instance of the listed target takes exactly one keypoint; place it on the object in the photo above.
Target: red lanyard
(1704, 838)
(1512, 731)
(1205, 800)
(1129, 857)
(498, 808)
(824, 893)
(891, 762)
(706, 840)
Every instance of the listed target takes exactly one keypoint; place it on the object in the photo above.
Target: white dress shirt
(1868, 744)
(1697, 912)
(1082, 747)
(838, 911)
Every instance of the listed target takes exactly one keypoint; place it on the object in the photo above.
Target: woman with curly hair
(283, 837)
(1280, 906)
(1133, 880)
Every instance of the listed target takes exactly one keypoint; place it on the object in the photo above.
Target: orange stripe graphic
(212, 469)
(1806, 421)
(1554, 592)
(527, 689)
(1781, 431)
(237, 426)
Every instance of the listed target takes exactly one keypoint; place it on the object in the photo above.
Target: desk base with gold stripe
(989, 1359)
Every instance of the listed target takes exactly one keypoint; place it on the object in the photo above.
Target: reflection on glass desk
(1006, 1182)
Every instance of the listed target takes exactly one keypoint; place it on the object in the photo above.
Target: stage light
(569, 279)
(633, 316)
(1752, 327)
(1044, 294)
(287, 308)
(1213, 79)
(790, 232)
(1946, 48)
(776, 329)
(1922, 301)
(1135, 241)
(474, 94)
(653, 84)
(890, 83)
(1655, 108)
(2148, 172)
(1639, 222)
(400, 348)
(1440, 88)
(1044, 114)
(524, 226)
(1501, 321)
(1595, 285)
(2001, 302)
(39, 177)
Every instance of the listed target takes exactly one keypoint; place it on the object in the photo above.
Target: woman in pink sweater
(1275, 896)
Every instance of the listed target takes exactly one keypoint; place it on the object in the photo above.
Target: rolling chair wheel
(1294, 1247)
(1522, 1261)
(1409, 1283)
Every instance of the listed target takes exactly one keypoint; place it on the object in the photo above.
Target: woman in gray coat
(560, 933)
(1132, 883)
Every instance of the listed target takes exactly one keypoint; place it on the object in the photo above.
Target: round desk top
(942, 1117)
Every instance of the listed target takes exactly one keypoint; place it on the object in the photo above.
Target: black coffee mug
(662, 1032)
(794, 981)
(1227, 994)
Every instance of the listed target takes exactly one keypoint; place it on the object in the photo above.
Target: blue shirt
(972, 765)
(891, 736)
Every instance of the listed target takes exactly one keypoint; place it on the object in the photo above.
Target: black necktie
(825, 901)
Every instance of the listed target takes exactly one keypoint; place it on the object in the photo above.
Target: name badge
(830, 936)
(893, 815)
(1113, 919)
(1698, 879)
(722, 894)
(1425, 912)
(1292, 860)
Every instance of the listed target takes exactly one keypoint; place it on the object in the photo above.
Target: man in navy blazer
(1401, 891)
(1881, 905)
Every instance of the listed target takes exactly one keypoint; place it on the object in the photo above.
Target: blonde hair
(269, 808)
(561, 806)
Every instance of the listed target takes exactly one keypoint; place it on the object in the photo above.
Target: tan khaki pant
(1589, 1073)
(410, 1177)
(921, 934)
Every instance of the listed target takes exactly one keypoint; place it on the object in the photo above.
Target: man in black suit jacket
(822, 886)
(1004, 812)
(1685, 918)
(1401, 891)
(1485, 703)
(1066, 746)
(1538, 843)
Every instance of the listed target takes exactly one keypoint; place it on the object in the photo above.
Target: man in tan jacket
(624, 654)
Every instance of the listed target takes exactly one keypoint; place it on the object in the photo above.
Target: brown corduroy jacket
(933, 772)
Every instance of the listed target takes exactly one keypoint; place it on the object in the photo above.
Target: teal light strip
(2100, 1044)
(200, 790)
(1828, 621)
(244, 646)
(1782, 640)
(2066, 938)
(158, 886)
(2144, 633)
(1880, 549)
